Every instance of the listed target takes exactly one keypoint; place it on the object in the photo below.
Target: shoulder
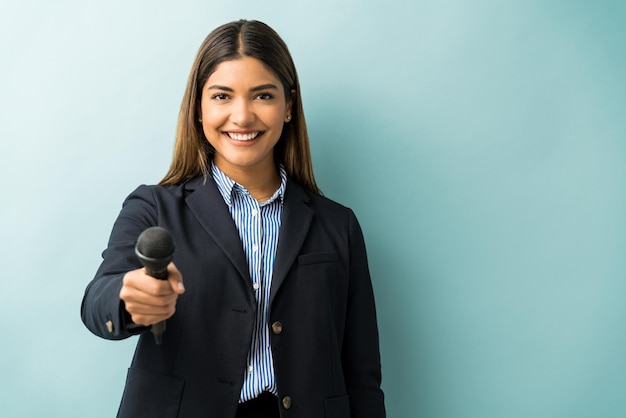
(151, 199)
(295, 192)
(328, 205)
(328, 211)
(171, 191)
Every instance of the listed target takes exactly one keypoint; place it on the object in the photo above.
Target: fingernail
(181, 287)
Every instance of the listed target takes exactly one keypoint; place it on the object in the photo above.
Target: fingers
(175, 279)
(150, 316)
(149, 300)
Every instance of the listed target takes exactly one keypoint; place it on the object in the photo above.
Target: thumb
(175, 279)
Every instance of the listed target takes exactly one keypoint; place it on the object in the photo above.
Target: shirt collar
(228, 186)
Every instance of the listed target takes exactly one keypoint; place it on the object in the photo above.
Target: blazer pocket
(317, 258)
(338, 407)
(150, 395)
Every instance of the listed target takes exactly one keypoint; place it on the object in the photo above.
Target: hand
(149, 300)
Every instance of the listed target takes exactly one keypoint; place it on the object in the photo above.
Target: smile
(249, 136)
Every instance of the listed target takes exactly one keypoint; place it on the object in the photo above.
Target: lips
(243, 137)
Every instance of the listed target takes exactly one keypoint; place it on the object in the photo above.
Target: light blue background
(482, 145)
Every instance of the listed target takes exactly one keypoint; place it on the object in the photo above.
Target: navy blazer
(324, 334)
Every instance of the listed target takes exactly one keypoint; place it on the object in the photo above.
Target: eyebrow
(254, 89)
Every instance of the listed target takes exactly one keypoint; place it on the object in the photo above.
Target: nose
(242, 113)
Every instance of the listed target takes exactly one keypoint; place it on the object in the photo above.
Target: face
(243, 111)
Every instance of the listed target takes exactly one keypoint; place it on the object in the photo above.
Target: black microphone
(155, 249)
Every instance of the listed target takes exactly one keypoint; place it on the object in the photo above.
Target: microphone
(155, 249)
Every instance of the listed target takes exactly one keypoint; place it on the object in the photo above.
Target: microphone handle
(158, 270)
(158, 328)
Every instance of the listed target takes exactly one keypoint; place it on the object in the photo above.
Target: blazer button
(287, 402)
(277, 327)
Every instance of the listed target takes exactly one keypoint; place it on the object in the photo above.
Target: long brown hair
(192, 151)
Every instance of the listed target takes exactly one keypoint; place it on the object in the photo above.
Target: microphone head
(155, 243)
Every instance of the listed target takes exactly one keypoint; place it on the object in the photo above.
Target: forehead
(245, 71)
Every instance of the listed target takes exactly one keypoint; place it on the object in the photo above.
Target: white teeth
(242, 137)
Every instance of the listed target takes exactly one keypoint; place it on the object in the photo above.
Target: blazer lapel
(207, 204)
(297, 216)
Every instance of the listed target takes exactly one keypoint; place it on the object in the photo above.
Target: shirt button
(255, 286)
(277, 327)
(250, 369)
(254, 212)
(287, 402)
(255, 247)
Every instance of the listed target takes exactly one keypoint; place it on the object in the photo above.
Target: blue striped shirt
(258, 225)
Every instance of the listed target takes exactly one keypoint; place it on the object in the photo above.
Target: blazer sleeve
(361, 356)
(102, 310)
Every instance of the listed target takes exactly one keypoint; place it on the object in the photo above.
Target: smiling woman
(277, 309)
(244, 108)
(243, 40)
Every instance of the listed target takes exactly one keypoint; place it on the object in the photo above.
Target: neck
(261, 183)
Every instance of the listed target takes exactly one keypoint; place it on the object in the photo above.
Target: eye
(219, 96)
(265, 96)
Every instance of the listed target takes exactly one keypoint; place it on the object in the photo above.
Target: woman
(268, 301)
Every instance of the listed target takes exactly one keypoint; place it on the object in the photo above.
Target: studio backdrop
(482, 145)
